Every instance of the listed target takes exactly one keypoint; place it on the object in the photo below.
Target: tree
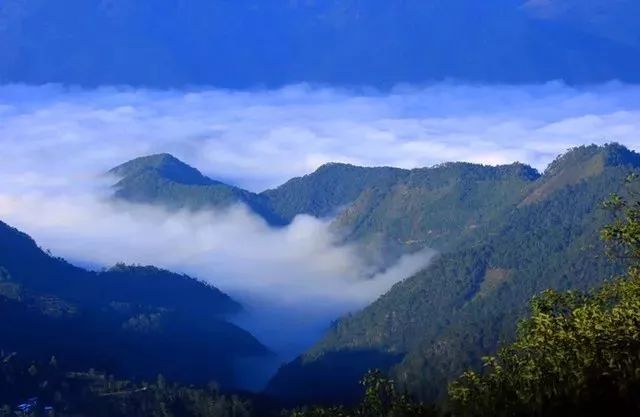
(381, 399)
(578, 353)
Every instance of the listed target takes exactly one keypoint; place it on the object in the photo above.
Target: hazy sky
(56, 142)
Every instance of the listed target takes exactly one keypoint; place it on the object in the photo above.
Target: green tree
(381, 399)
(578, 353)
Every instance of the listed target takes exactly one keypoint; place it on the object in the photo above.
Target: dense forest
(577, 353)
(430, 327)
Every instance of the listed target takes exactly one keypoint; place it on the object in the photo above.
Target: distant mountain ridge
(390, 211)
(338, 42)
(435, 206)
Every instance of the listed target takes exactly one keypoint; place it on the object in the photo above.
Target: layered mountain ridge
(376, 42)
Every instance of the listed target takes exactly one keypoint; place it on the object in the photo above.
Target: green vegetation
(506, 233)
(576, 354)
(438, 207)
(390, 211)
(431, 327)
(329, 189)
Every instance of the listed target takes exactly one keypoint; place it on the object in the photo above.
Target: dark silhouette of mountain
(248, 43)
(133, 321)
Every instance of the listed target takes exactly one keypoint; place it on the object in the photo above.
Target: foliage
(578, 353)
(623, 235)
(380, 399)
(445, 318)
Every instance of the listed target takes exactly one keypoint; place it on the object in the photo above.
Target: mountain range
(252, 43)
(503, 233)
(430, 327)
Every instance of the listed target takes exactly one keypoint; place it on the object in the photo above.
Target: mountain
(387, 211)
(611, 20)
(392, 211)
(133, 321)
(163, 179)
(330, 188)
(248, 43)
(430, 327)
(435, 207)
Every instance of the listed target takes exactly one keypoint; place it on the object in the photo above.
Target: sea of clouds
(56, 142)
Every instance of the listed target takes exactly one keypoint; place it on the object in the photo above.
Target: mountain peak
(581, 163)
(164, 165)
(593, 157)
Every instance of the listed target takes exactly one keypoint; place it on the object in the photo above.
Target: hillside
(437, 207)
(329, 189)
(430, 327)
(130, 320)
(353, 42)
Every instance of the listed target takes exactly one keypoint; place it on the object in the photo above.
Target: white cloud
(293, 281)
(260, 139)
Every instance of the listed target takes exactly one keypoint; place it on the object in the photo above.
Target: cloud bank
(260, 139)
(55, 142)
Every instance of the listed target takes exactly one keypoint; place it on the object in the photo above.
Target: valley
(489, 225)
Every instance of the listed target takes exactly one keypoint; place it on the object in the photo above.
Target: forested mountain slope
(430, 327)
(134, 321)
